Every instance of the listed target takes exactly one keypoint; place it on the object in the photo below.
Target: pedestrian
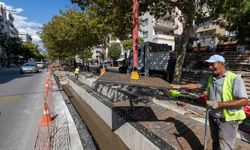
(77, 72)
(170, 68)
(226, 96)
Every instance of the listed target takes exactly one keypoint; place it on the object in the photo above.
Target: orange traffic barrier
(46, 118)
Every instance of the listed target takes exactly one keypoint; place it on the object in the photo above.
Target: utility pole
(135, 74)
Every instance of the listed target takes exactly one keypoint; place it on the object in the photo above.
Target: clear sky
(30, 15)
(39, 10)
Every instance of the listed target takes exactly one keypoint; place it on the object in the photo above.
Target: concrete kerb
(133, 134)
(113, 92)
(61, 109)
(86, 138)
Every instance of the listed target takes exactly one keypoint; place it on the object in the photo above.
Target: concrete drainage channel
(102, 135)
(93, 131)
(86, 139)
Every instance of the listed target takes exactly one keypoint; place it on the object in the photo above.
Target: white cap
(215, 58)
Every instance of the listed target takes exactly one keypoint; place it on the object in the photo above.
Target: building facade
(6, 27)
(208, 36)
(162, 30)
(7, 22)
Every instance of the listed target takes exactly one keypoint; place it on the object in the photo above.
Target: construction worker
(226, 96)
(77, 72)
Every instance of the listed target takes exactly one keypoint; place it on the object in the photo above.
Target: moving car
(40, 65)
(29, 67)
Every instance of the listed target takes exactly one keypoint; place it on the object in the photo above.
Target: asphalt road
(21, 99)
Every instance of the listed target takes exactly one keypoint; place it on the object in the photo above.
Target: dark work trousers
(76, 75)
(223, 133)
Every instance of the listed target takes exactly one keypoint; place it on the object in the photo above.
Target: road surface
(21, 99)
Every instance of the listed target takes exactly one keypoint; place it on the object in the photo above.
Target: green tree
(30, 50)
(115, 15)
(86, 54)
(128, 44)
(114, 51)
(10, 45)
(234, 16)
(70, 33)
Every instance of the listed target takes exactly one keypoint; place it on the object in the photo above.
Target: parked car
(40, 65)
(29, 67)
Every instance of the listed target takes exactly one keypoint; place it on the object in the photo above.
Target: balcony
(10, 23)
(164, 25)
(165, 37)
(1, 19)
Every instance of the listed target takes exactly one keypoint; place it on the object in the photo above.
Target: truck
(152, 59)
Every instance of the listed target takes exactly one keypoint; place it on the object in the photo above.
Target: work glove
(213, 104)
(174, 86)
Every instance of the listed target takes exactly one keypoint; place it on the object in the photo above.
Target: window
(156, 32)
(145, 21)
(228, 33)
(161, 32)
(145, 34)
(154, 47)
(166, 32)
(213, 40)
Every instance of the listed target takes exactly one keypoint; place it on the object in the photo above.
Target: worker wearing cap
(226, 96)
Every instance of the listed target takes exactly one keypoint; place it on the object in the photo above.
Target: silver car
(40, 65)
(29, 67)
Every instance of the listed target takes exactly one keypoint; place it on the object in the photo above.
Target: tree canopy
(114, 51)
(116, 15)
(15, 46)
(70, 33)
(234, 16)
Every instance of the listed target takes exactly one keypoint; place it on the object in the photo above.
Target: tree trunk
(182, 47)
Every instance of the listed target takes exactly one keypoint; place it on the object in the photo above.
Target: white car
(29, 67)
(40, 65)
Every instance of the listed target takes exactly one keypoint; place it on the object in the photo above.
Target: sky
(30, 15)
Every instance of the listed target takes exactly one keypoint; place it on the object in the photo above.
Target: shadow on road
(7, 75)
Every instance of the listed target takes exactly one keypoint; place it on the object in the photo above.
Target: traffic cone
(48, 80)
(46, 88)
(46, 118)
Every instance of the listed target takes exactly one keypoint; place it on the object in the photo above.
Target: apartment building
(208, 34)
(162, 30)
(208, 40)
(6, 26)
(7, 22)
